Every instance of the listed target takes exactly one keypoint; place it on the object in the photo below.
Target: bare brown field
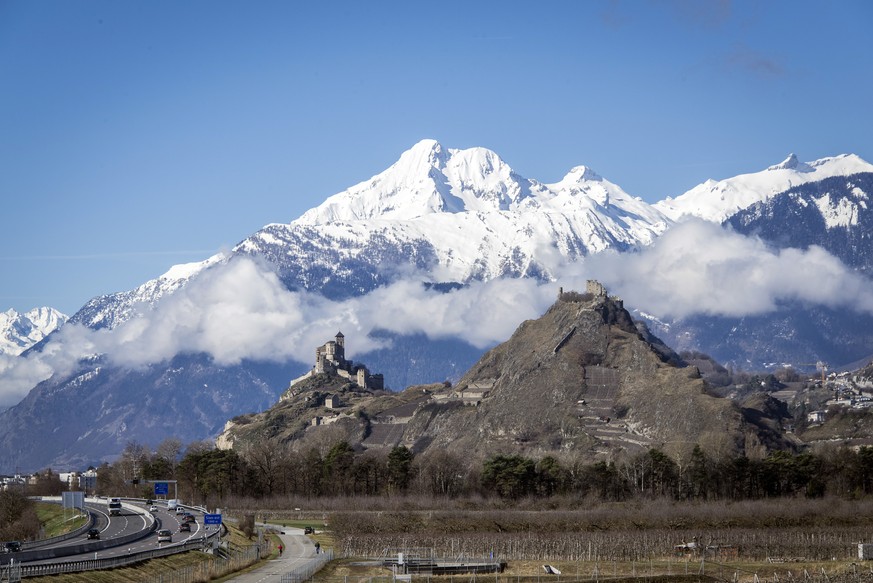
(676, 570)
(815, 541)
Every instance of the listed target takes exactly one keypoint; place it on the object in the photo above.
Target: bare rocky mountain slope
(580, 381)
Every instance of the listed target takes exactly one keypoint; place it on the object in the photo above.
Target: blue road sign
(162, 488)
(212, 519)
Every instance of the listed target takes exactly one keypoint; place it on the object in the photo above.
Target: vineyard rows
(789, 544)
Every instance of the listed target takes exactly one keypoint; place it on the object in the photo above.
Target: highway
(134, 531)
(133, 536)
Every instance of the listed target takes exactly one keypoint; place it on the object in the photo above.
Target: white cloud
(482, 313)
(240, 310)
(699, 267)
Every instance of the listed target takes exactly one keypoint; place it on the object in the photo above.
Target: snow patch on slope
(839, 213)
(110, 310)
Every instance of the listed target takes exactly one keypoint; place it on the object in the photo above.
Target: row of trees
(18, 518)
(208, 475)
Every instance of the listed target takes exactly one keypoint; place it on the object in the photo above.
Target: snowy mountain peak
(717, 200)
(792, 163)
(581, 173)
(18, 332)
(427, 179)
(430, 179)
(420, 158)
(465, 215)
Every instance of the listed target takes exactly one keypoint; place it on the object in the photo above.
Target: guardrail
(77, 549)
(14, 563)
(305, 572)
(42, 554)
(111, 562)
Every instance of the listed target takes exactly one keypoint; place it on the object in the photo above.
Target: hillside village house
(816, 417)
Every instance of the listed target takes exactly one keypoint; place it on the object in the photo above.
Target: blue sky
(138, 135)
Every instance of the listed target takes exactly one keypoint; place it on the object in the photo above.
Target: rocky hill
(582, 380)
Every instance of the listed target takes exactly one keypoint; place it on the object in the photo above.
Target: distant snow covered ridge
(717, 200)
(18, 332)
(107, 311)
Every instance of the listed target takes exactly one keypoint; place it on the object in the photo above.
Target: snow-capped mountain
(449, 215)
(457, 215)
(429, 179)
(717, 200)
(18, 332)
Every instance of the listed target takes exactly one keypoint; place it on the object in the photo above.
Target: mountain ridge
(716, 200)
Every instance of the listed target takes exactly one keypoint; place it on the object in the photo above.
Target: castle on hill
(330, 358)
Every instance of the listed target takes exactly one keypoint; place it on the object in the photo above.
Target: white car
(153, 508)
(165, 536)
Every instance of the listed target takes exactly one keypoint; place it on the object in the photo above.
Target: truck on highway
(172, 505)
(115, 507)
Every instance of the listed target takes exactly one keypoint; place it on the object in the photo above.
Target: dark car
(308, 530)
(94, 533)
(12, 546)
(188, 518)
(185, 527)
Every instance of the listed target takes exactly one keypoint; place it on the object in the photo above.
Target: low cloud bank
(700, 268)
(240, 310)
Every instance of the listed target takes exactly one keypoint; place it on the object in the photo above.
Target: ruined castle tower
(595, 288)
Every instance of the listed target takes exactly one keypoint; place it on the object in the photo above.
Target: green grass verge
(56, 520)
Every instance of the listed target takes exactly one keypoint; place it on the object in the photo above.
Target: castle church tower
(340, 347)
